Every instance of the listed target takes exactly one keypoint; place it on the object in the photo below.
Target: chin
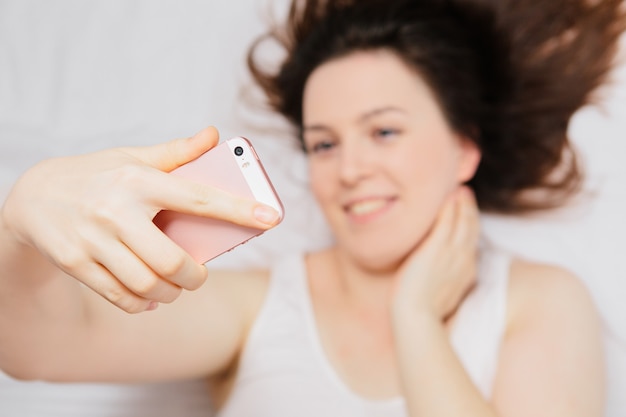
(379, 258)
(383, 248)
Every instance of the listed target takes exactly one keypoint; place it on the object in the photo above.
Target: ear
(469, 158)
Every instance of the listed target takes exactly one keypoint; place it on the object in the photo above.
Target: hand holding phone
(232, 166)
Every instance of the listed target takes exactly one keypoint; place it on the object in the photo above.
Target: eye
(385, 133)
(322, 146)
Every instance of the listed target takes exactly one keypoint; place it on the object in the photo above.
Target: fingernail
(204, 131)
(265, 214)
(152, 306)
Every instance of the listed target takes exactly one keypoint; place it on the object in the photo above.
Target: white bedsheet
(79, 76)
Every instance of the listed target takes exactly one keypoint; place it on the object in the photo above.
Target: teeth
(367, 207)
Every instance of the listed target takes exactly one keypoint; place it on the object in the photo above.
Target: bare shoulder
(245, 290)
(551, 359)
(541, 291)
(222, 312)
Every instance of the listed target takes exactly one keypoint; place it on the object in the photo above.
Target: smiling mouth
(367, 208)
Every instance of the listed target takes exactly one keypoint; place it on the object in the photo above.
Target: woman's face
(382, 157)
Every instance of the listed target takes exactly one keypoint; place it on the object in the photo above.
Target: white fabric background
(79, 76)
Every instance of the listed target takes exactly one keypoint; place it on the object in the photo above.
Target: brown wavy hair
(508, 74)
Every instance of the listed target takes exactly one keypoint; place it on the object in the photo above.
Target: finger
(444, 223)
(101, 281)
(163, 256)
(135, 275)
(178, 194)
(465, 219)
(466, 239)
(469, 219)
(170, 155)
(475, 216)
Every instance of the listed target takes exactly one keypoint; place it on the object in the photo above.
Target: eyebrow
(378, 111)
(361, 119)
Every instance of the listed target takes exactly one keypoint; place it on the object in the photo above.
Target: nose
(355, 163)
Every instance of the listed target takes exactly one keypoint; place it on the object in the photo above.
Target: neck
(359, 285)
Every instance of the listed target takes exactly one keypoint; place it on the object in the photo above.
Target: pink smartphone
(232, 166)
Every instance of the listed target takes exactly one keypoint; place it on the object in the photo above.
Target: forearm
(433, 379)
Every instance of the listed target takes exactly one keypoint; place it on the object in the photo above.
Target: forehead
(352, 85)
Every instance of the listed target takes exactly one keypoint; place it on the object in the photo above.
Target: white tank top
(283, 369)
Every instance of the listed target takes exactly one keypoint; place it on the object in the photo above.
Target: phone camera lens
(238, 151)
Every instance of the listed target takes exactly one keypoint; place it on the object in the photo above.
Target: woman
(398, 106)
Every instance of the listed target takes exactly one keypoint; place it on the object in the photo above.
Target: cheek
(321, 182)
(432, 167)
(429, 182)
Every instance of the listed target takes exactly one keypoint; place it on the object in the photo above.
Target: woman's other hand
(437, 276)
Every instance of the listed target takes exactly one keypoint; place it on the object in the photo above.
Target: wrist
(412, 317)
(20, 261)
(7, 234)
(12, 247)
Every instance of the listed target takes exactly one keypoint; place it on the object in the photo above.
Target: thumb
(170, 155)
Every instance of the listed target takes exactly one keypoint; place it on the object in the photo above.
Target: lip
(368, 209)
